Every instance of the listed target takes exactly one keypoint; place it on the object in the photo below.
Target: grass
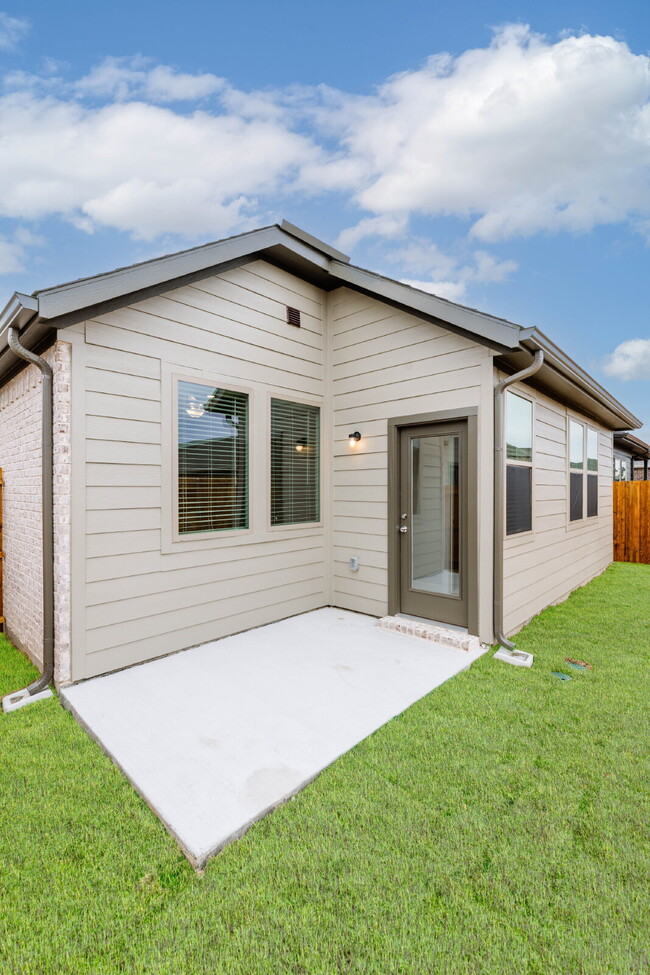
(499, 826)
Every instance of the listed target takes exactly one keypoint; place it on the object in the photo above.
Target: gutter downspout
(499, 489)
(40, 687)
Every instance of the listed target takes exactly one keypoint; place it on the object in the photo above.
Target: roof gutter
(40, 688)
(507, 651)
(561, 363)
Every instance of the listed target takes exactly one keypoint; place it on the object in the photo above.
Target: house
(255, 428)
(631, 457)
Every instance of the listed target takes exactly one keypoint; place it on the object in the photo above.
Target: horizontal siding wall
(144, 599)
(558, 556)
(385, 364)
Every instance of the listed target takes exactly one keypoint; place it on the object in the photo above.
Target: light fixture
(195, 408)
(354, 438)
(301, 445)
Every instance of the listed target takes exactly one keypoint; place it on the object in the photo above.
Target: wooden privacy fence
(632, 521)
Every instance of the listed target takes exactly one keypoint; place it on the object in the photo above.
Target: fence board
(632, 521)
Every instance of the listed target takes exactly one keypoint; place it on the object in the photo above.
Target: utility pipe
(499, 491)
(41, 685)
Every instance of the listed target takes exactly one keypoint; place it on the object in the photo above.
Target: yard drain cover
(560, 676)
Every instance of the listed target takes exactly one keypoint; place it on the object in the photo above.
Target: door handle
(403, 529)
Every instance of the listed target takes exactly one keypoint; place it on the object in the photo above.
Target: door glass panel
(435, 511)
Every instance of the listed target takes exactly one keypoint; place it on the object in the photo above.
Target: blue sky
(501, 165)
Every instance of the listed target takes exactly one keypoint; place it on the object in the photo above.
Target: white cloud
(451, 290)
(629, 360)
(141, 168)
(13, 250)
(128, 78)
(390, 226)
(447, 276)
(522, 136)
(12, 31)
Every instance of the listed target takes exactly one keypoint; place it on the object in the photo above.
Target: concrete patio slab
(216, 736)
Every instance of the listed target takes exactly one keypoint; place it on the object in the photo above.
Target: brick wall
(20, 459)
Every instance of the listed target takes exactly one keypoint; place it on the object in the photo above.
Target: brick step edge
(428, 631)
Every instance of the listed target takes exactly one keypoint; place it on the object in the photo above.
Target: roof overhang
(41, 315)
(564, 380)
(285, 245)
(632, 445)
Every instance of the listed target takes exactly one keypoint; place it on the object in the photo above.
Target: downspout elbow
(40, 687)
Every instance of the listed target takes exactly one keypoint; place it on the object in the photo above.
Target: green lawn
(499, 826)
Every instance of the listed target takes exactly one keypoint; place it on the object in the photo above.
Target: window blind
(295, 463)
(576, 502)
(212, 458)
(592, 495)
(519, 499)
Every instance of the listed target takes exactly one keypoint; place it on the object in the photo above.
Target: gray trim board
(314, 241)
(497, 332)
(54, 302)
(103, 307)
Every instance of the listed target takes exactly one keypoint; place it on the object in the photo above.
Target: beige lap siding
(385, 364)
(146, 595)
(20, 458)
(544, 566)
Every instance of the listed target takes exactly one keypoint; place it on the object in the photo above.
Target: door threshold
(421, 619)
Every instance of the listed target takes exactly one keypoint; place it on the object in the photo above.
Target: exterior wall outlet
(354, 564)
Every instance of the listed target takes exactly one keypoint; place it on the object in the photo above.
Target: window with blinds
(212, 458)
(519, 466)
(583, 456)
(295, 463)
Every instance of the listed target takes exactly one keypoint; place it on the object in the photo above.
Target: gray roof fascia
(18, 311)
(495, 331)
(636, 447)
(67, 298)
(314, 242)
(562, 363)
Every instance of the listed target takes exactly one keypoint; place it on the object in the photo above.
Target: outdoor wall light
(354, 438)
(301, 445)
(195, 408)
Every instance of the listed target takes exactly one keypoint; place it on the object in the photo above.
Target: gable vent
(293, 316)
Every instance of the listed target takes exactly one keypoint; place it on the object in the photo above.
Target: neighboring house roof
(297, 251)
(629, 444)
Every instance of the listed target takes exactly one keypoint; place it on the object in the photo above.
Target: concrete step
(453, 639)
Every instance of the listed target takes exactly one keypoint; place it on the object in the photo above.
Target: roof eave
(65, 299)
(493, 331)
(605, 406)
(18, 311)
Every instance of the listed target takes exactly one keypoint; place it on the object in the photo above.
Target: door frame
(395, 425)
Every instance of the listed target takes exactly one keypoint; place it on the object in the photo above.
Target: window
(622, 468)
(592, 473)
(576, 467)
(583, 457)
(519, 428)
(519, 460)
(576, 445)
(295, 463)
(212, 428)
